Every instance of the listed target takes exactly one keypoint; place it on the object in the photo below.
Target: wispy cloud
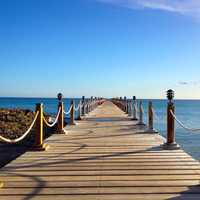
(194, 83)
(183, 83)
(184, 7)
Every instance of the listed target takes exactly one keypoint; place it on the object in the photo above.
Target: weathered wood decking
(105, 157)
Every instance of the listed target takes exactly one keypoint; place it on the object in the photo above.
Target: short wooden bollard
(60, 124)
(141, 123)
(39, 134)
(72, 113)
(170, 144)
(134, 103)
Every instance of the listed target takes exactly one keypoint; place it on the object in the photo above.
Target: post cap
(170, 94)
(60, 96)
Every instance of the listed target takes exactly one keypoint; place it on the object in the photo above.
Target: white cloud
(185, 7)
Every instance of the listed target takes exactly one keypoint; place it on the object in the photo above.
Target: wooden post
(134, 103)
(150, 119)
(79, 111)
(72, 113)
(89, 106)
(86, 107)
(127, 106)
(95, 103)
(39, 145)
(91, 103)
(170, 144)
(60, 124)
(130, 109)
(141, 115)
(83, 106)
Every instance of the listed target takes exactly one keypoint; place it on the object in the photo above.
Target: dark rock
(15, 122)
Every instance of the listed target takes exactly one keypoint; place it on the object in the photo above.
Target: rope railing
(68, 112)
(142, 109)
(86, 104)
(182, 125)
(157, 117)
(77, 108)
(55, 121)
(136, 108)
(13, 141)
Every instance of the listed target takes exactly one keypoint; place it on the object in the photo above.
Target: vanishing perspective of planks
(104, 157)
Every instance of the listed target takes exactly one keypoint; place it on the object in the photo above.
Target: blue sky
(100, 47)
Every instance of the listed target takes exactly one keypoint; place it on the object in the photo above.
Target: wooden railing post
(39, 134)
(79, 111)
(170, 143)
(89, 106)
(150, 118)
(83, 106)
(72, 113)
(130, 108)
(150, 114)
(125, 104)
(96, 102)
(86, 106)
(60, 124)
(141, 115)
(134, 104)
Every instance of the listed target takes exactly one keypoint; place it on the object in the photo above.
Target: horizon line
(37, 97)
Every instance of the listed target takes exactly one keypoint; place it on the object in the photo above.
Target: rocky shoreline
(15, 122)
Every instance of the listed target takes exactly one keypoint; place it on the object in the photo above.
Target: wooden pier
(106, 156)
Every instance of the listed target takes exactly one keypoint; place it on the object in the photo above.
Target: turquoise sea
(188, 111)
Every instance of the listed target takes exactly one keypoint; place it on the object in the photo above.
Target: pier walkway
(105, 157)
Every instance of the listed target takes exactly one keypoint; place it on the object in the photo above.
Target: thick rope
(86, 104)
(159, 119)
(136, 109)
(182, 125)
(77, 108)
(67, 113)
(56, 120)
(155, 114)
(142, 109)
(13, 141)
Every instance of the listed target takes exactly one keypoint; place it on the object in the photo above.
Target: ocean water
(188, 111)
(50, 105)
